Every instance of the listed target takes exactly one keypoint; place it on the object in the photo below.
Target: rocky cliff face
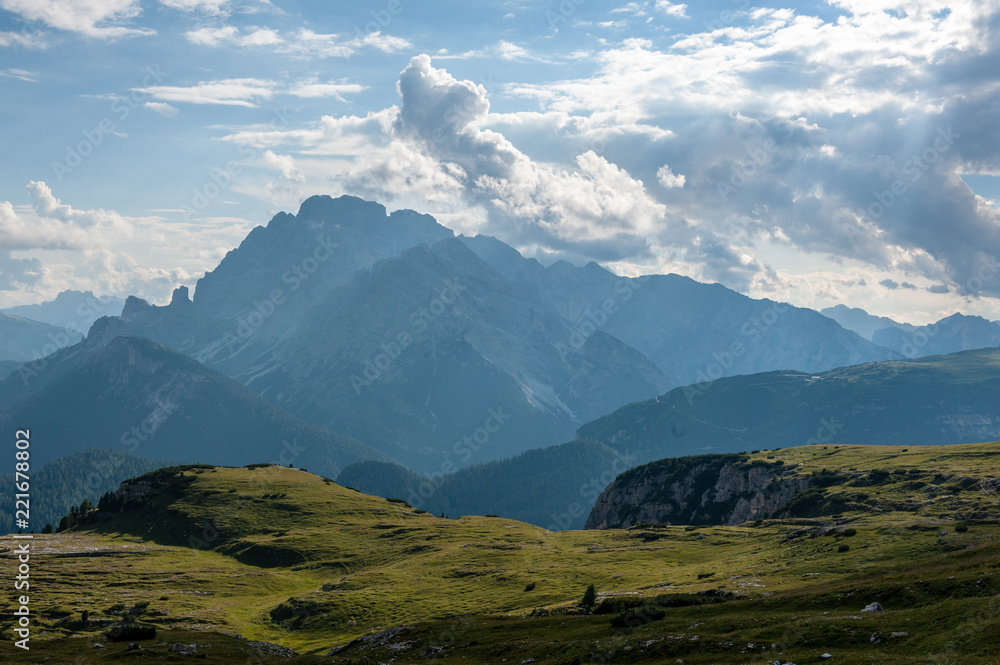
(708, 489)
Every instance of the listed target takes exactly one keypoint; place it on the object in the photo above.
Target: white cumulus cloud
(666, 177)
(105, 19)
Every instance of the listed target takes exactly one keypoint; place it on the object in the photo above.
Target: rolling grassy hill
(278, 555)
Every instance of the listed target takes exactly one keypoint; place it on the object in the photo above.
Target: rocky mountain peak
(106, 329)
(340, 210)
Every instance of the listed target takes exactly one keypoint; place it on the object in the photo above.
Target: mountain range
(120, 392)
(391, 330)
(863, 323)
(957, 332)
(458, 359)
(934, 400)
(73, 310)
(24, 340)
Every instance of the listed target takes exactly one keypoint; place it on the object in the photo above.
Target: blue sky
(814, 152)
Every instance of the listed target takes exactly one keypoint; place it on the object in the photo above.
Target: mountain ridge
(932, 400)
(134, 394)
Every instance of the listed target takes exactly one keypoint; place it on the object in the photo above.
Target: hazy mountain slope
(935, 400)
(23, 339)
(693, 331)
(288, 314)
(697, 331)
(954, 333)
(556, 486)
(261, 291)
(66, 481)
(861, 322)
(128, 393)
(423, 352)
(74, 310)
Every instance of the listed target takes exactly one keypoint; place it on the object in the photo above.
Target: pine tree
(589, 597)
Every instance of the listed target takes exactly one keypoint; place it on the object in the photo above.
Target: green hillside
(826, 482)
(282, 556)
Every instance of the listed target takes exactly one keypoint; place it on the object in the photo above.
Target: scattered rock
(873, 607)
(269, 649)
(876, 638)
(184, 649)
(826, 655)
(384, 638)
(134, 646)
(98, 645)
(899, 634)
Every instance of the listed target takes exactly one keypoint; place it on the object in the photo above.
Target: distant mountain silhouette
(387, 328)
(126, 393)
(954, 333)
(23, 339)
(934, 400)
(860, 321)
